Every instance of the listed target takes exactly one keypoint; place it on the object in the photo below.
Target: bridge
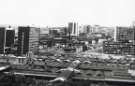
(55, 76)
(4, 67)
(64, 75)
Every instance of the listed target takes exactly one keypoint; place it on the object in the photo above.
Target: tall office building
(70, 27)
(73, 29)
(28, 39)
(10, 35)
(34, 39)
(115, 34)
(23, 40)
(87, 29)
(124, 34)
(2, 39)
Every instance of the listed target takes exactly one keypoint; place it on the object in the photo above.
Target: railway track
(54, 75)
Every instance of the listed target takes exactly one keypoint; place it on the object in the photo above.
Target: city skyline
(60, 12)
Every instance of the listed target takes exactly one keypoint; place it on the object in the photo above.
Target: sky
(60, 12)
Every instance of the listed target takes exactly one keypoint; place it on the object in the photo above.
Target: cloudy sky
(60, 12)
